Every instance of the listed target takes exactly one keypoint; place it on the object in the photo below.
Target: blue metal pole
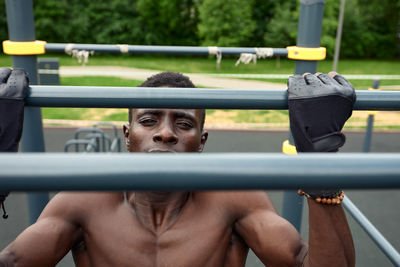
(142, 97)
(308, 35)
(370, 124)
(195, 171)
(155, 49)
(373, 233)
(21, 28)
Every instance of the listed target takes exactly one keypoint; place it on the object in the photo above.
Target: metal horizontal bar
(285, 76)
(142, 97)
(38, 172)
(155, 49)
(373, 233)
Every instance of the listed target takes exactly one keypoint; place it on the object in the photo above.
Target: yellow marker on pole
(306, 53)
(288, 149)
(24, 48)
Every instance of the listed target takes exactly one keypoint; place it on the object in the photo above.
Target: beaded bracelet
(334, 200)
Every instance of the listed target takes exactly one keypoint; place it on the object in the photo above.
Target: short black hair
(170, 79)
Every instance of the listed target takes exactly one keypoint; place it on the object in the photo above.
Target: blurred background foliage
(371, 27)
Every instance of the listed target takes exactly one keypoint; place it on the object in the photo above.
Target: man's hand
(319, 105)
(13, 85)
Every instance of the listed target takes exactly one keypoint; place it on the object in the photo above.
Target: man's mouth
(160, 151)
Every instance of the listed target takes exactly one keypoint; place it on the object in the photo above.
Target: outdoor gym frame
(21, 29)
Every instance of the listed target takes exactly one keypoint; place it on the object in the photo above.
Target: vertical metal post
(309, 35)
(338, 35)
(370, 124)
(21, 28)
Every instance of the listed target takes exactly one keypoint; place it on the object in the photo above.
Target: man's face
(165, 130)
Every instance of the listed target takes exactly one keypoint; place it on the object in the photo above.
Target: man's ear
(204, 136)
(126, 134)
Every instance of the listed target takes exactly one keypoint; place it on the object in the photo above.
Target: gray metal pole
(153, 97)
(197, 171)
(370, 124)
(308, 35)
(155, 49)
(21, 28)
(374, 233)
(339, 35)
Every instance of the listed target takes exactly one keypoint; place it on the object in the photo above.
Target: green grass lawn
(201, 64)
(98, 114)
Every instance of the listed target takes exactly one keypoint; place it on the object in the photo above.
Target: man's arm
(273, 239)
(48, 240)
(330, 240)
(319, 105)
(277, 243)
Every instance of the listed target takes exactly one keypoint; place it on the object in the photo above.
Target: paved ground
(381, 207)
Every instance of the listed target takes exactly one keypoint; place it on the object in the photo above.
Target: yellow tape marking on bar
(306, 53)
(372, 112)
(24, 48)
(288, 149)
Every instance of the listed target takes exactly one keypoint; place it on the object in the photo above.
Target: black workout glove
(13, 85)
(318, 108)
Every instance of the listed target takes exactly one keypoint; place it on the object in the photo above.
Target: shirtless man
(190, 228)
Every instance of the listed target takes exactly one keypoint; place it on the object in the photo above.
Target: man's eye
(147, 122)
(185, 125)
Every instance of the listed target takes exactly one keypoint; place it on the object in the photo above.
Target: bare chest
(194, 240)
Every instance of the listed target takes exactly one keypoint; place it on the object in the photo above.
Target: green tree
(226, 22)
(329, 26)
(84, 21)
(281, 31)
(371, 29)
(263, 11)
(168, 22)
(3, 23)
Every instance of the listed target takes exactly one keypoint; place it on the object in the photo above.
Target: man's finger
(17, 83)
(341, 80)
(295, 81)
(333, 73)
(4, 74)
(312, 79)
(326, 79)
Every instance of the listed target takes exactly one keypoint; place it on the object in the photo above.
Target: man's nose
(165, 135)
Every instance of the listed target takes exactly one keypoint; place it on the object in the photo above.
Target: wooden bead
(335, 200)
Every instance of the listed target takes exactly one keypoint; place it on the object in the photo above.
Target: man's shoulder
(80, 204)
(87, 198)
(232, 195)
(237, 201)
